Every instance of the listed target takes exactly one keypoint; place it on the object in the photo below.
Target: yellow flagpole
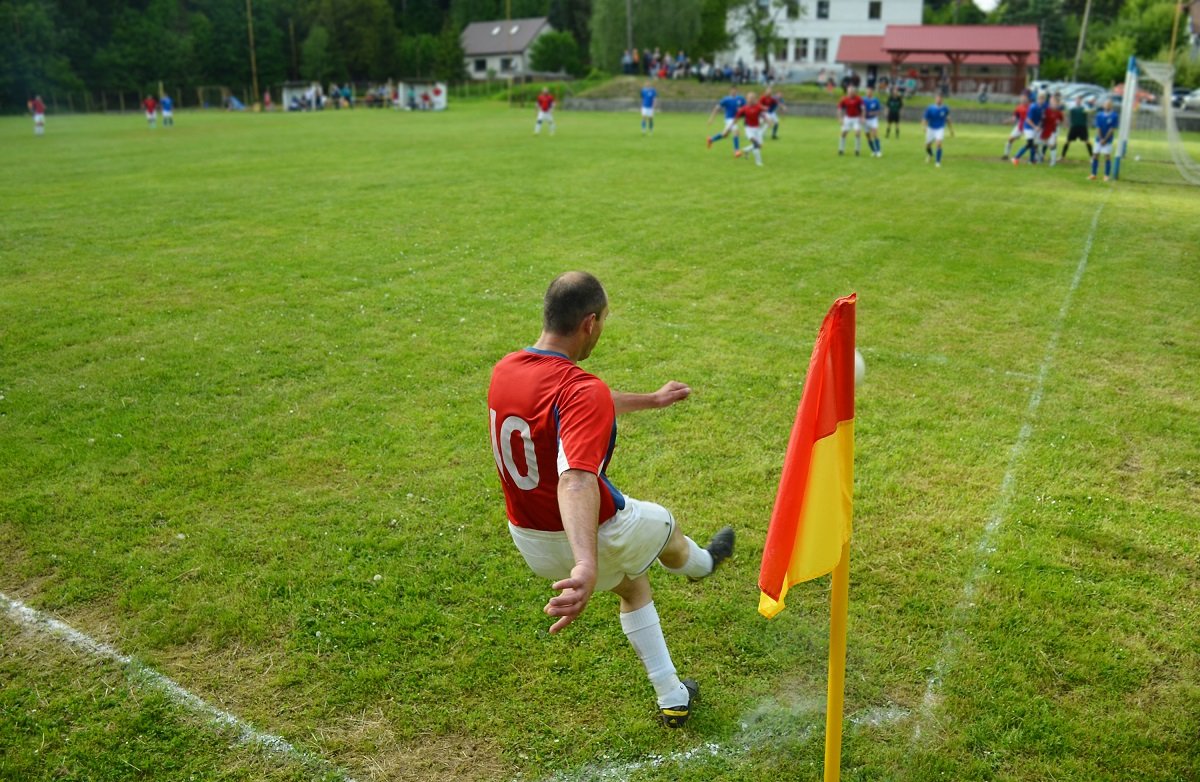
(835, 694)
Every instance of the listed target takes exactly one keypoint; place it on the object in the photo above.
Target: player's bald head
(571, 297)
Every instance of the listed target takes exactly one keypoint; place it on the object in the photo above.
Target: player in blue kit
(1033, 129)
(730, 105)
(1107, 121)
(871, 110)
(167, 106)
(936, 121)
(649, 102)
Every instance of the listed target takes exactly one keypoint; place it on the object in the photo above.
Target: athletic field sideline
(251, 527)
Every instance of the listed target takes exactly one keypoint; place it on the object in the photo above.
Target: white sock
(645, 635)
(699, 562)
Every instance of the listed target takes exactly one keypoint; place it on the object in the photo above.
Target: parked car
(1192, 101)
(1178, 95)
(1092, 94)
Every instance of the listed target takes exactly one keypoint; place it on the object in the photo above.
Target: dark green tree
(555, 52)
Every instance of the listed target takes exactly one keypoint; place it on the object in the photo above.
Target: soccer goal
(1154, 81)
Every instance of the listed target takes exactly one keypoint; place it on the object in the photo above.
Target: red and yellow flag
(810, 524)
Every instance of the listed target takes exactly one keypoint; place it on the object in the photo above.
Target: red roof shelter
(941, 45)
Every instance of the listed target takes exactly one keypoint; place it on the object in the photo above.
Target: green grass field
(242, 374)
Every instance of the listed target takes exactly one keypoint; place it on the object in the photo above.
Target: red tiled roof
(871, 50)
(965, 38)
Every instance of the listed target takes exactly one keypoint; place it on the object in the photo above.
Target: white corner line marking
(986, 545)
(32, 619)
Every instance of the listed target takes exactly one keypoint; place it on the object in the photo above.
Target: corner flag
(811, 520)
(809, 534)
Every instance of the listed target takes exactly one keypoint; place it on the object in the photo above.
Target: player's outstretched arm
(579, 506)
(669, 394)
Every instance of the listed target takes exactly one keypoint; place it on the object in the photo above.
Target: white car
(1192, 101)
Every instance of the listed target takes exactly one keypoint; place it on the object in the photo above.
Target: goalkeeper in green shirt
(1077, 117)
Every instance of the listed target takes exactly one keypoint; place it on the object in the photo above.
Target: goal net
(1165, 142)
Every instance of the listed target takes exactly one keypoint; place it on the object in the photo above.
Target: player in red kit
(752, 115)
(545, 104)
(553, 433)
(1051, 119)
(38, 110)
(150, 105)
(1018, 131)
(850, 109)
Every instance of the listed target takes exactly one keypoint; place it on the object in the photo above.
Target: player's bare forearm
(579, 506)
(669, 394)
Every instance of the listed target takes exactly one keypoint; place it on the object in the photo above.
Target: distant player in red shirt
(150, 105)
(1051, 119)
(850, 109)
(553, 432)
(545, 103)
(753, 115)
(38, 110)
(1018, 130)
(771, 104)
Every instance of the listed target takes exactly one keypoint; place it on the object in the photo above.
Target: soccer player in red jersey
(38, 110)
(150, 105)
(752, 115)
(850, 109)
(1018, 130)
(545, 103)
(553, 432)
(771, 104)
(1051, 119)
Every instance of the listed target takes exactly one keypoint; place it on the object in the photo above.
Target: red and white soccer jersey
(851, 106)
(750, 114)
(1050, 122)
(545, 102)
(548, 416)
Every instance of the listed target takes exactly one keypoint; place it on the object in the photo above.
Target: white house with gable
(809, 31)
(501, 49)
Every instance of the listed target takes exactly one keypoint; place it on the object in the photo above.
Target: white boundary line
(31, 619)
(986, 545)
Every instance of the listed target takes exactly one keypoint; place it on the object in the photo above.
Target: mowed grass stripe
(290, 322)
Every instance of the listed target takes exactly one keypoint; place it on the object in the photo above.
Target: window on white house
(801, 50)
(820, 50)
(875, 9)
(822, 9)
(480, 66)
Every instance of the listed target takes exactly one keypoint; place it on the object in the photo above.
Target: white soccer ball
(860, 368)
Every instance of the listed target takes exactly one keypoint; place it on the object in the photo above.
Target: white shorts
(39, 119)
(1103, 149)
(1029, 133)
(167, 114)
(730, 126)
(871, 123)
(1052, 141)
(150, 115)
(545, 116)
(755, 134)
(1017, 131)
(851, 123)
(626, 545)
(648, 112)
(934, 134)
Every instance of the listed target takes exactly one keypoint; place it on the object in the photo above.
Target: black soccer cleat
(677, 716)
(720, 547)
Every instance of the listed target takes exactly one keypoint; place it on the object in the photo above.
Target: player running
(752, 117)
(38, 110)
(871, 110)
(545, 104)
(553, 431)
(730, 105)
(1051, 119)
(1018, 130)
(849, 111)
(150, 105)
(649, 103)
(1107, 121)
(771, 101)
(936, 121)
(1032, 129)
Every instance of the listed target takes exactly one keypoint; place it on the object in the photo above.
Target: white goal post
(1162, 74)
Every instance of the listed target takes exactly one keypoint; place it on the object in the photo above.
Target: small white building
(501, 49)
(810, 31)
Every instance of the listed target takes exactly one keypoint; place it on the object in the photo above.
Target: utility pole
(629, 25)
(253, 62)
(1179, 9)
(1087, 10)
(508, 27)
